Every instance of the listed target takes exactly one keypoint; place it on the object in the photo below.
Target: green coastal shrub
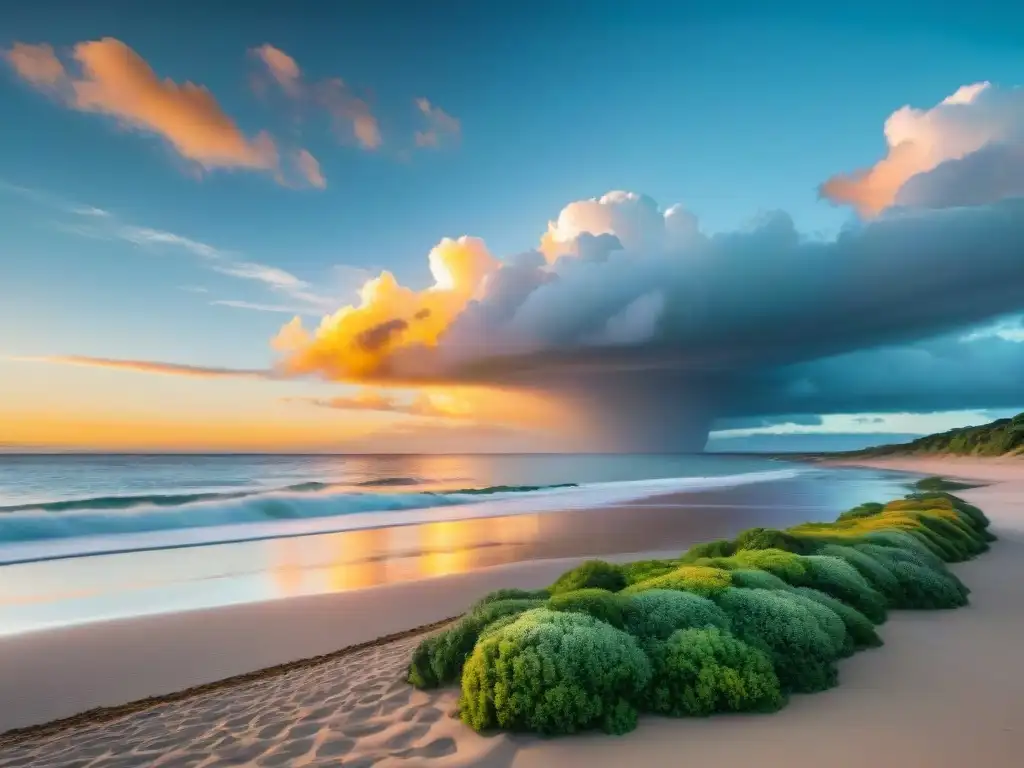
(904, 542)
(802, 652)
(873, 571)
(699, 579)
(600, 603)
(641, 570)
(698, 672)
(729, 626)
(592, 574)
(754, 579)
(859, 628)
(970, 512)
(511, 594)
(658, 613)
(942, 484)
(830, 621)
(770, 538)
(836, 577)
(786, 565)
(554, 673)
(864, 510)
(921, 586)
(717, 548)
(438, 659)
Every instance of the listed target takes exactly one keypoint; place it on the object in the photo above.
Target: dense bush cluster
(703, 671)
(658, 613)
(729, 626)
(553, 673)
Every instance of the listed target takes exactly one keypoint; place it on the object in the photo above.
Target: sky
(177, 183)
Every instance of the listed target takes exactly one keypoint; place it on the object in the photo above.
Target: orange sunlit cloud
(113, 79)
(37, 64)
(358, 342)
(918, 141)
(350, 114)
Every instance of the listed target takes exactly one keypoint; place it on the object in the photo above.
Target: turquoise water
(122, 543)
(91, 503)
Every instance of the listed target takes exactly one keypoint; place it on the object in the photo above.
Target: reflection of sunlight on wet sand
(446, 548)
(366, 558)
(286, 569)
(363, 561)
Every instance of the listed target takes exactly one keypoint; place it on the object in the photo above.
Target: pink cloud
(351, 116)
(112, 79)
(440, 125)
(36, 64)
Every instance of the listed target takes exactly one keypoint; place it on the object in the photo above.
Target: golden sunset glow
(356, 342)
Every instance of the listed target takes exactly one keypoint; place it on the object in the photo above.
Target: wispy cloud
(257, 307)
(351, 115)
(147, 366)
(423, 405)
(440, 125)
(108, 77)
(97, 223)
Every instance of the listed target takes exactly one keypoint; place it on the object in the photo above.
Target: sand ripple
(356, 710)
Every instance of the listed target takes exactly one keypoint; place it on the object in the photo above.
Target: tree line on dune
(998, 438)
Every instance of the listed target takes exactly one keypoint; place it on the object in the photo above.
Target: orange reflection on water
(350, 560)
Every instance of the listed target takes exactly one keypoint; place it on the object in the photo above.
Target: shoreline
(870, 680)
(58, 672)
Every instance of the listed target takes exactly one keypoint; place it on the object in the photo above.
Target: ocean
(91, 537)
(65, 504)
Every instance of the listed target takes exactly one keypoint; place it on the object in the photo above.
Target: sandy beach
(947, 689)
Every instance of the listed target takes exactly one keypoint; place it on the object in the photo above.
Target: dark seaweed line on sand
(107, 714)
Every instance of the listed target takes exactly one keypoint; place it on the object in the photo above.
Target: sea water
(88, 537)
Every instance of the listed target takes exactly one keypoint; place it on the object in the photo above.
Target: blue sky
(720, 106)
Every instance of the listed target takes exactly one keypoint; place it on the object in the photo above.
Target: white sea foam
(31, 535)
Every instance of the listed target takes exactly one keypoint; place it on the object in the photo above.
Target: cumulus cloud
(714, 303)
(110, 78)
(358, 341)
(631, 312)
(351, 115)
(440, 126)
(966, 150)
(634, 221)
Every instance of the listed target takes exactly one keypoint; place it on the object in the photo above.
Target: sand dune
(946, 691)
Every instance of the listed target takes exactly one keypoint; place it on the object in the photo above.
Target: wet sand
(947, 690)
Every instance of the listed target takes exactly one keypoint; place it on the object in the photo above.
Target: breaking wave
(128, 523)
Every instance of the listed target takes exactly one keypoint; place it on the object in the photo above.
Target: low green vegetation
(942, 484)
(998, 438)
(729, 626)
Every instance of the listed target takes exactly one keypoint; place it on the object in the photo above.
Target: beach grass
(731, 625)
